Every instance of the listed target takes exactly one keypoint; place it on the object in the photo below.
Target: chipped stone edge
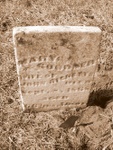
(28, 29)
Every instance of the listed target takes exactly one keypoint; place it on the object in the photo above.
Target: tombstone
(55, 65)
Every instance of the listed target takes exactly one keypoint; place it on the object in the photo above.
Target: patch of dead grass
(41, 131)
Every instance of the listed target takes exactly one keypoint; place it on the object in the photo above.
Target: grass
(40, 131)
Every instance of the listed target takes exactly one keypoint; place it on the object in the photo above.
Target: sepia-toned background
(41, 131)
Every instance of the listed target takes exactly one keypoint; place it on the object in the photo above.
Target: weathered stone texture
(55, 65)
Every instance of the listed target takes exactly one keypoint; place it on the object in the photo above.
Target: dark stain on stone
(21, 40)
(63, 41)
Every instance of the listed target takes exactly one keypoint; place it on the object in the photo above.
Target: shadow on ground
(101, 98)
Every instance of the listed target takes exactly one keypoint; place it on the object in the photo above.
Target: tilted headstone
(55, 64)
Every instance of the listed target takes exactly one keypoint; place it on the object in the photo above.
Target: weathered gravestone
(55, 64)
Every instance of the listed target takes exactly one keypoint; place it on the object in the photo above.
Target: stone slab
(55, 64)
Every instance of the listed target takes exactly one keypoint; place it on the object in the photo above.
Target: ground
(41, 131)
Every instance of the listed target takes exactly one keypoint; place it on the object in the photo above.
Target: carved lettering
(22, 62)
(51, 58)
(49, 66)
(59, 68)
(41, 83)
(41, 58)
(32, 59)
(41, 66)
(58, 98)
(56, 68)
(67, 67)
(51, 75)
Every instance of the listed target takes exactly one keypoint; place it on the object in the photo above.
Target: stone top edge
(49, 29)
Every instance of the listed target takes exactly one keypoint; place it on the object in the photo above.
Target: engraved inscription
(56, 68)
(41, 84)
(52, 59)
